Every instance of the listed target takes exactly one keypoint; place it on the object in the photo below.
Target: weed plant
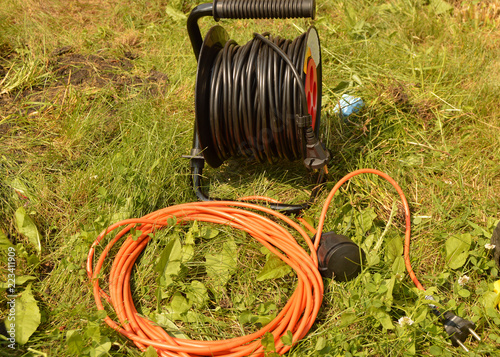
(96, 111)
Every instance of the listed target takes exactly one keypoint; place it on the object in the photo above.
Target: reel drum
(209, 131)
(214, 42)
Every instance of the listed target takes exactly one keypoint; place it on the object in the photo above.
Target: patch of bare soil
(99, 71)
(401, 96)
(83, 72)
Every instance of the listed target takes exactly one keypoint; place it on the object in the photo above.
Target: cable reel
(261, 100)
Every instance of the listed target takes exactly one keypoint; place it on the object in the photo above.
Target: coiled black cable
(255, 96)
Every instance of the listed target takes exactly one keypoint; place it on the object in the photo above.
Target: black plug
(316, 155)
(458, 329)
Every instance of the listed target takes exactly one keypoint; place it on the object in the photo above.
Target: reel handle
(263, 9)
(246, 9)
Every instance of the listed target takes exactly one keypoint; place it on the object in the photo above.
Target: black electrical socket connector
(339, 257)
(458, 329)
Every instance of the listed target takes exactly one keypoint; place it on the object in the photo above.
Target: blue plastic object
(348, 105)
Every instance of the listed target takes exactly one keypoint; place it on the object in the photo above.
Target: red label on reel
(311, 89)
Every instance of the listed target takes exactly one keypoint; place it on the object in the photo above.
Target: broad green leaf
(372, 258)
(268, 342)
(492, 312)
(355, 77)
(267, 307)
(457, 250)
(33, 260)
(169, 263)
(389, 284)
(247, 317)
(99, 315)
(172, 221)
(178, 306)
(20, 280)
(164, 321)
(347, 318)
(288, 338)
(478, 230)
(20, 188)
(341, 86)
(491, 223)
(417, 220)
(195, 317)
(364, 220)
(150, 352)
(394, 249)
(27, 227)
(188, 248)
(383, 317)
(102, 348)
(102, 192)
(161, 294)
(398, 266)
(193, 232)
(371, 287)
(123, 212)
(187, 252)
(494, 337)
(175, 14)
(451, 304)
(440, 6)
(421, 314)
(27, 316)
(435, 350)
(197, 294)
(220, 267)
(4, 241)
(464, 293)
(229, 250)
(74, 342)
(265, 251)
(209, 233)
(189, 240)
(320, 343)
(135, 234)
(93, 331)
(368, 242)
(274, 268)
(412, 160)
(410, 349)
(179, 303)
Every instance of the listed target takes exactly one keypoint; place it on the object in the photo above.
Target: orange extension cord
(297, 316)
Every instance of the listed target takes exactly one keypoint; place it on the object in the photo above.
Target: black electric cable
(256, 94)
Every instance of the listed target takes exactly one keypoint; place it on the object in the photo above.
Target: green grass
(95, 134)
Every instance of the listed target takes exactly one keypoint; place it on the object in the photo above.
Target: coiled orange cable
(297, 316)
